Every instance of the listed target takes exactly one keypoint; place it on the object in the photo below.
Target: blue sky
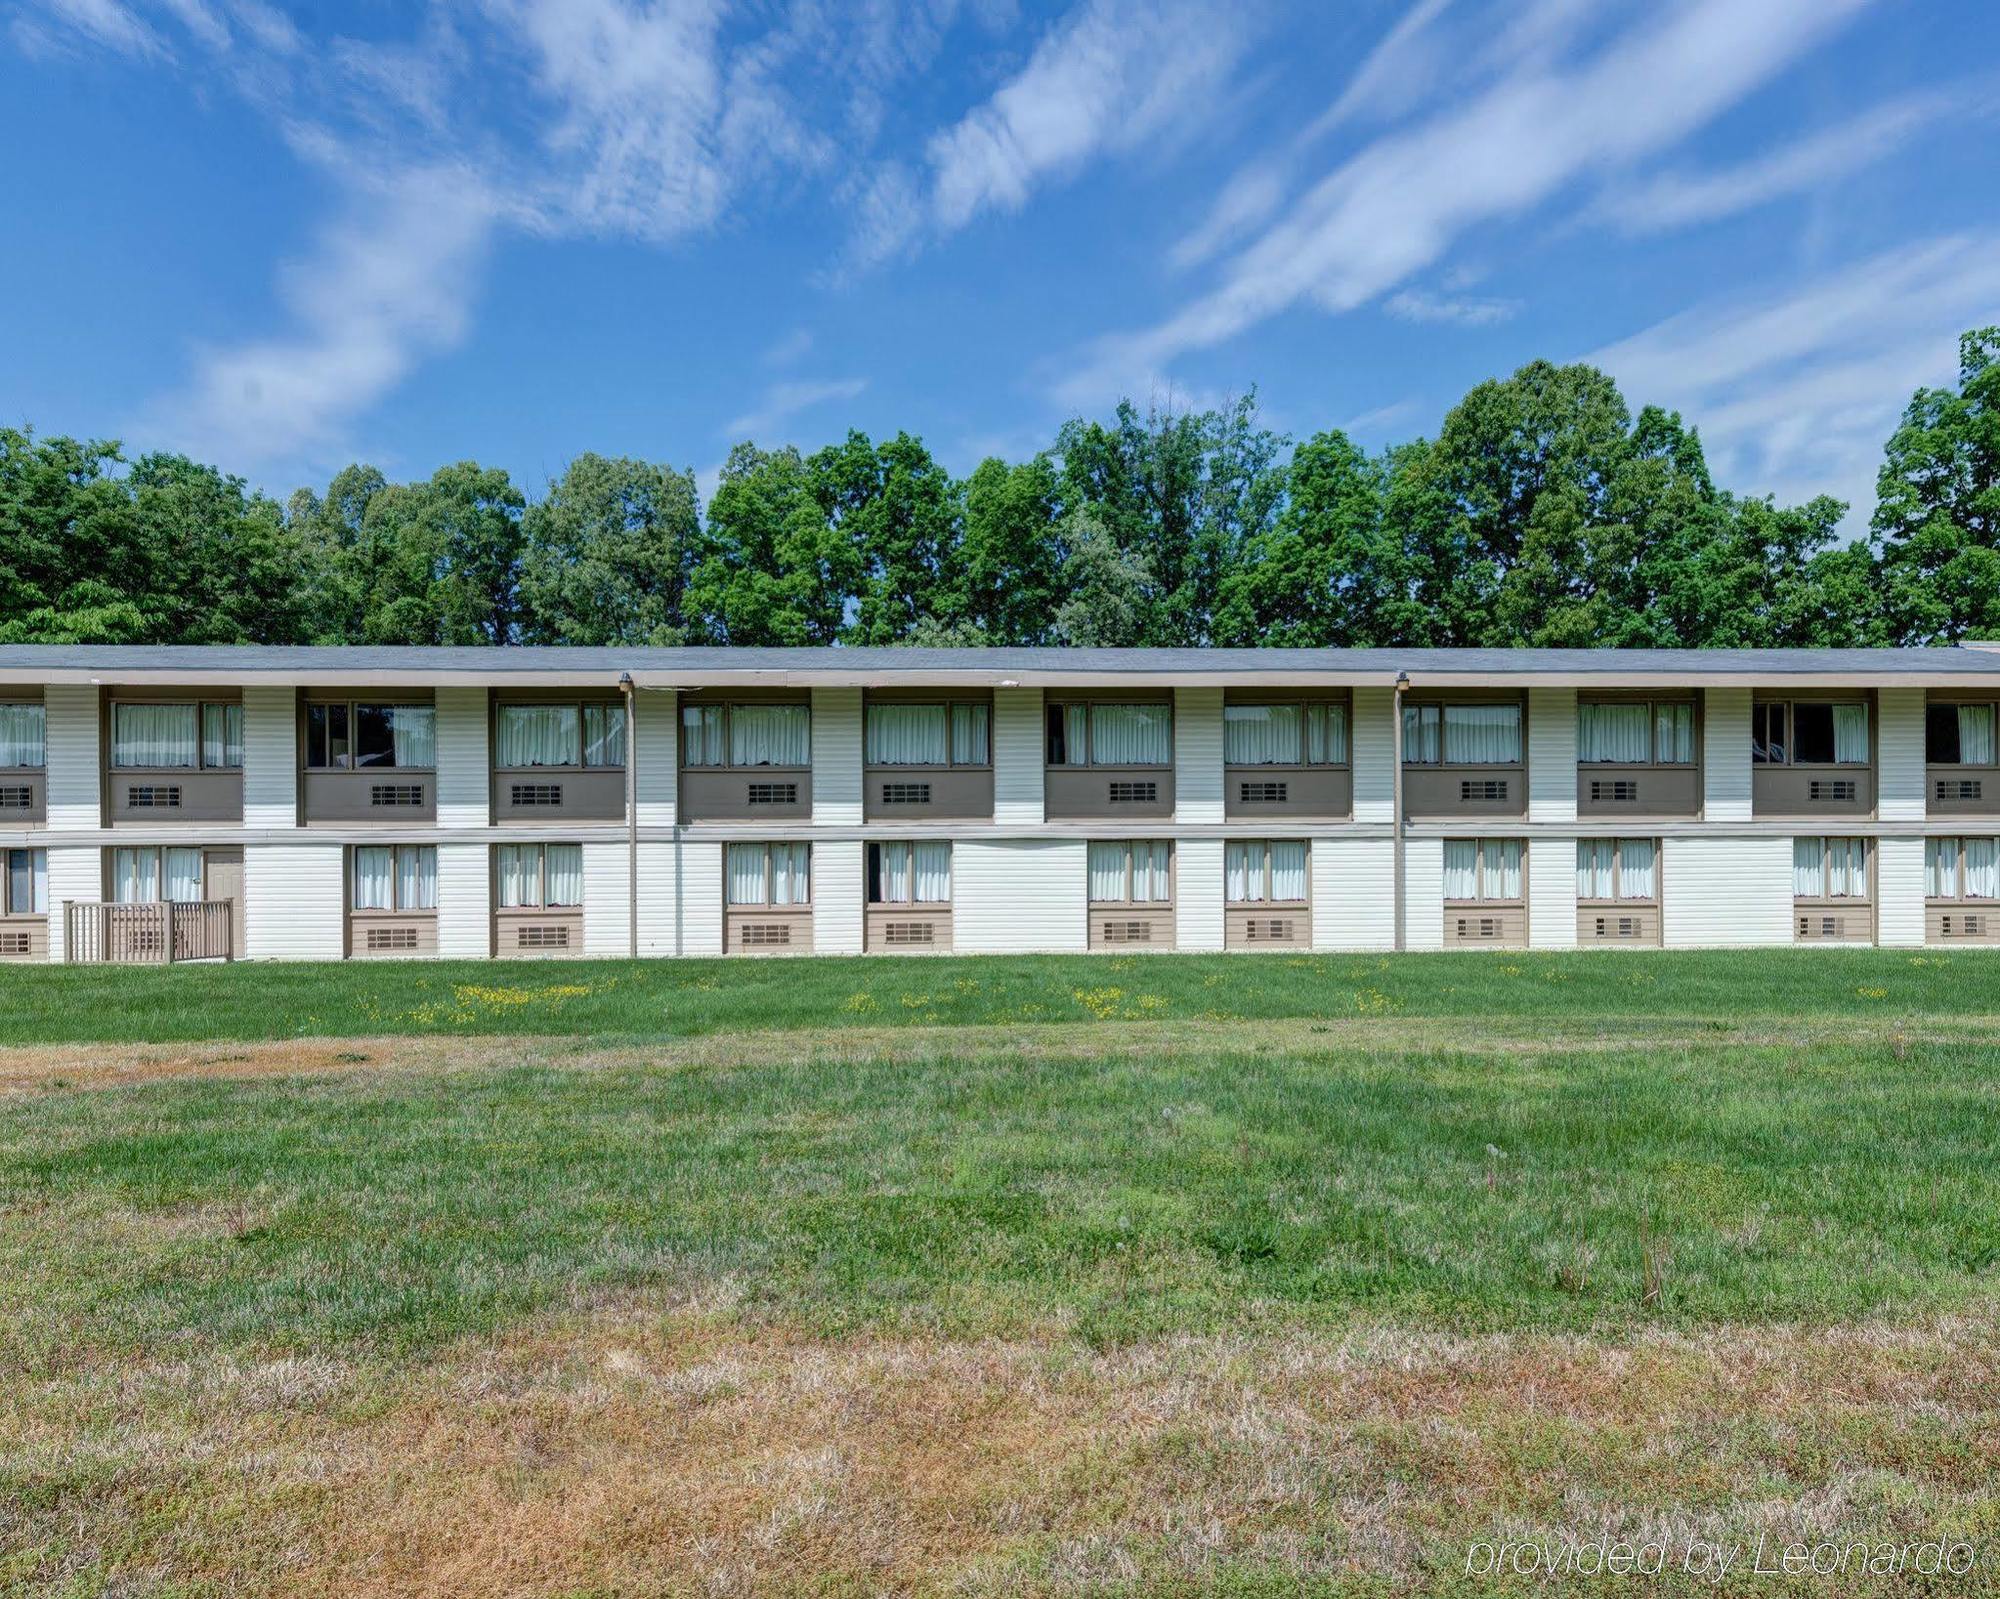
(518, 229)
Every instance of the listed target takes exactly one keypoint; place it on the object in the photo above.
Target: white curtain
(1461, 868)
(744, 872)
(517, 867)
(895, 880)
(969, 735)
(23, 737)
(1243, 873)
(1808, 868)
(1847, 868)
(933, 874)
(1593, 868)
(907, 735)
(153, 736)
(183, 874)
(1482, 735)
(417, 877)
(1850, 733)
(1152, 880)
(1075, 724)
(1131, 735)
(537, 735)
(1941, 868)
(372, 884)
(604, 735)
(1673, 734)
(27, 881)
(1975, 736)
(1420, 735)
(413, 729)
(1619, 733)
(1503, 869)
(1637, 858)
(701, 735)
(564, 871)
(1107, 871)
(1261, 735)
(791, 874)
(135, 876)
(221, 735)
(1982, 868)
(1326, 734)
(770, 735)
(1288, 870)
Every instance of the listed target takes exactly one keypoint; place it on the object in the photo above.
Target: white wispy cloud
(105, 24)
(1463, 310)
(782, 401)
(795, 346)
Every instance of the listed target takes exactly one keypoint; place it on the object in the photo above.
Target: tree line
(1544, 513)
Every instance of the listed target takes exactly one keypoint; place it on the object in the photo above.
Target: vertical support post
(625, 687)
(166, 907)
(1396, 791)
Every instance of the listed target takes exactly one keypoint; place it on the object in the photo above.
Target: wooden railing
(160, 932)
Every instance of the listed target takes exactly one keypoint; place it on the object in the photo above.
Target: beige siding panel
(1552, 760)
(1353, 893)
(657, 736)
(1014, 896)
(1017, 756)
(606, 908)
(1725, 892)
(1725, 760)
(1899, 793)
(701, 899)
(73, 753)
(465, 893)
(270, 756)
(1373, 737)
(294, 901)
(1198, 754)
(836, 757)
(1423, 893)
(659, 899)
(1899, 890)
(463, 792)
(1552, 889)
(1198, 918)
(75, 873)
(837, 890)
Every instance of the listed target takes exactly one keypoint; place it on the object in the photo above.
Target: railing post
(167, 928)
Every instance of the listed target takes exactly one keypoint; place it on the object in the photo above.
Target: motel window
(1482, 870)
(1959, 735)
(26, 886)
(1131, 872)
(144, 876)
(1462, 735)
(1617, 869)
(176, 737)
(1264, 872)
(23, 735)
(746, 735)
(952, 734)
(1635, 733)
(1809, 733)
(768, 876)
(909, 874)
(1086, 733)
(1829, 868)
(360, 735)
(395, 877)
(1962, 868)
(1313, 733)
(538, 876)
(587, 734)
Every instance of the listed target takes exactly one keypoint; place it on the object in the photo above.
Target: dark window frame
(1053, 724)
(1305, 703)
(201, 709)
(726, 707)
(583, 708)
(350, 714)
(951, 762)
(1786, 714)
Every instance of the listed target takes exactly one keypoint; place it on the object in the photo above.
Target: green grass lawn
(665, 999)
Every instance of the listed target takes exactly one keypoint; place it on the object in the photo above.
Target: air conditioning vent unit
(14, 941)
(1263, 793)
(1619, 927)
(1479, 927)
(1128, 932)
(906, 793)
(392, 938)
(544, 795)
(396, 794)
(153, 797)
(1962, 924)
(1957, 788)
(1268, 930)
(763, 935)
(1615, 790)
(16, 797)
(773, 794)
(1831, 789)
(909, 932)
(1145, 793)
(542, 935)
(1484, 788)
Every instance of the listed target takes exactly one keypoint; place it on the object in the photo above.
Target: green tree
(900, 513)
(1106, 591)
(606, 552)
(1009, 561)
(768, 567)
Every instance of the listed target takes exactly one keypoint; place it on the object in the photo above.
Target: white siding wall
(1017, 756)
(1900, 742)
(656, 713)
(270, 757)
(659, 903)
(1198, 754)
(1552, 892)
(607, 928)
(836, 756)
(74, 873)
(1725, 756)
(73, 753)
(1899, 891)
(701, 899)
(463, 794)
(837, 891)
(1552, 759)
(1011, 896)
(1423, 893)
(465, 896)
(1198, 893)
(1725, 892)
(294, 901)
(1353, 890)
(1373, 739)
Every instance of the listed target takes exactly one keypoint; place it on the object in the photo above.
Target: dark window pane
(1812, 734)
(1058, 752)
(336, 736)
(874, 874)
(1941, 745)
(315, 735)
(374, 736)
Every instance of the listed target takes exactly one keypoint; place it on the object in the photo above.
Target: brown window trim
(1867, 896)
(1173, 877)
(952, 763)
(395, 882)
(1090, 703)
(767, 903)
(199, 702)
(43, 764)
(1617, 873)
(541, 900)
(870, 876)
(1652, 704)
(1953, 702)
(1268, 901)
(1791, 732)
(726, 706)
(1304, 702)
(1519, 901)
(351, 704)
(581, 704)
(1443, 763)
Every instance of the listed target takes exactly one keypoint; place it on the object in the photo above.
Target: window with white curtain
(1423, 741)
(908, 735)
(902, 873)
(769, 876)
(701, 735)
(540, 735)
(971, 735)
(1462, 735)
(394, 877)
(1131, 872)
(1954, 735)
(155, 737)
(27, 883)
(1090, 734)
(770, 735)
(144, 875)
(1313, 733)
(1635, 732)
(539, 876)
(1962, 868)
(1482, 869)
(222, 735)
(1616, 869)
(23, 735)
(1809, 733)
(1829, 868)
(1264, 871)
(349, 736)
(603, 734)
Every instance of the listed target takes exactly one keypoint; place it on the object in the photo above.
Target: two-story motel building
(322, 803)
